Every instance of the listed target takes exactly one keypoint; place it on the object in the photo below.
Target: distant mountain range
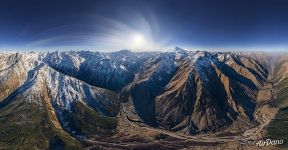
(142, 100)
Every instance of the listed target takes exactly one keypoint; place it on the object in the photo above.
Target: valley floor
(134, 135)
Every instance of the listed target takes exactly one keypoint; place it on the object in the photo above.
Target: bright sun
(138, 39)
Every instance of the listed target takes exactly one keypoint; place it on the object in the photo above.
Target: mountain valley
(142, 100)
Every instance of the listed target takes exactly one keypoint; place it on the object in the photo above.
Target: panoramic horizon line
(271, 50)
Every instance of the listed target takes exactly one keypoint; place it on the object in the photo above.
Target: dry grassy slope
(28, 126)
(278, 128)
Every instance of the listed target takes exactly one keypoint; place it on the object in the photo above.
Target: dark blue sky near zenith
(143, 24)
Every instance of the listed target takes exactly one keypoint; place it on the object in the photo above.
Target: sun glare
(138, 41)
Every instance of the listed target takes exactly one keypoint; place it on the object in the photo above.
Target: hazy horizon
(156, 50)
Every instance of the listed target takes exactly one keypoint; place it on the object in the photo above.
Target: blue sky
(144, 24)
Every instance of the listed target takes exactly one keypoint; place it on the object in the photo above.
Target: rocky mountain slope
(52, 106)
(77, 99)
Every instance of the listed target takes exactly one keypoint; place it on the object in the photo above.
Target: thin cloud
(105, 33)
